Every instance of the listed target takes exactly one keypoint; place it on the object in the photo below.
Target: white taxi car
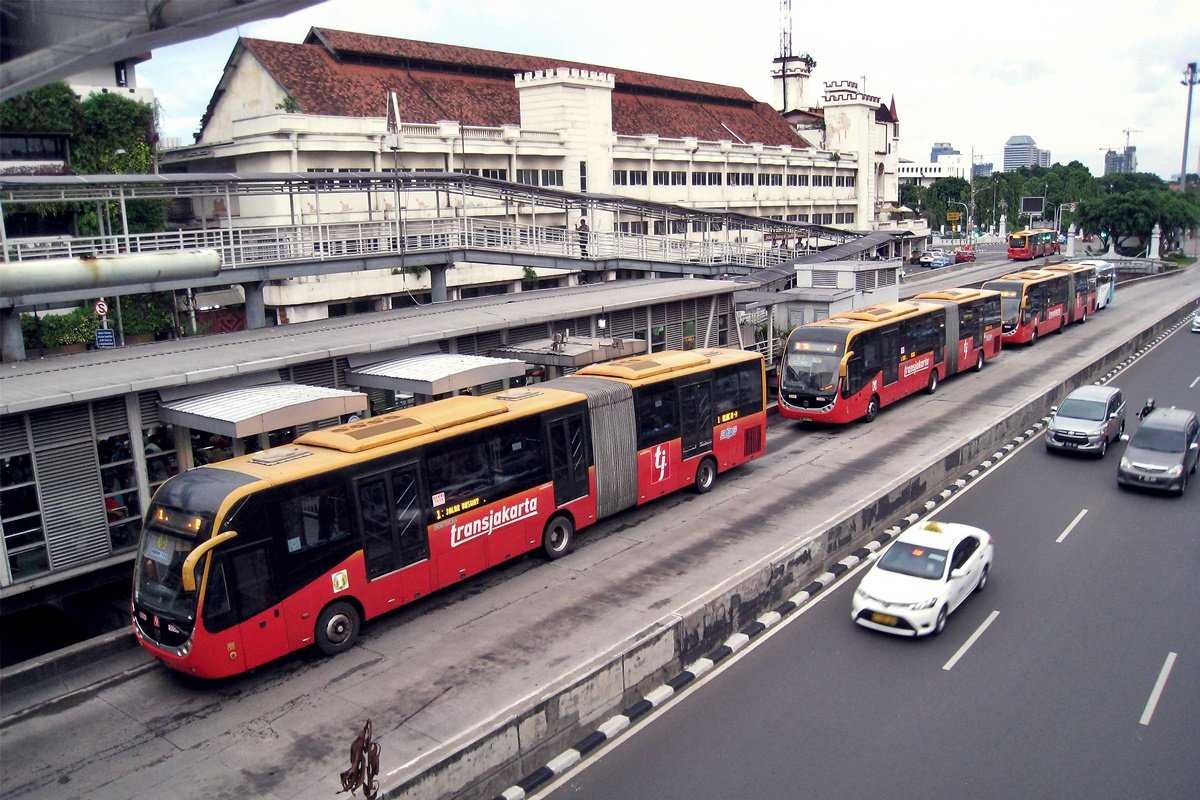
(922, 577)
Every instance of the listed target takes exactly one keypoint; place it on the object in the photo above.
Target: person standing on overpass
(584, 234)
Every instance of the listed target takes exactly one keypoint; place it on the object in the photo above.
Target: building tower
(793, 71)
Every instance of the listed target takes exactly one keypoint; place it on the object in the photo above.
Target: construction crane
(1128, 131)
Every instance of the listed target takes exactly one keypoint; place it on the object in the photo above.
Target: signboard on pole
(1034, 206)
(953, 216)
(105, 338)
(101, 308)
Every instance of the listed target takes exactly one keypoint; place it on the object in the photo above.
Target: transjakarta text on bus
(244, 561)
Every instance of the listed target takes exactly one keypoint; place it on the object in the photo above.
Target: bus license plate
(883, 619)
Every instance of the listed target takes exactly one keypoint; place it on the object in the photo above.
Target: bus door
(568, 439)
(392, 518)
(248, 576)
(1037, 304)
(696, 418)
(890, 348)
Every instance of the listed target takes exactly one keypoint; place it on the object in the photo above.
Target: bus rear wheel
(558, 538)
(706, 476)
(1033, 337)
(337, 628)
(872, 409)
(933, 382)
(979, 361)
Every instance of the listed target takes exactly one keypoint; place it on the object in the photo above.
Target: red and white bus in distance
(246, 560)
(1030, 244)
(1032, 303)
(849, 366)
(1081, 290)
(972, 323)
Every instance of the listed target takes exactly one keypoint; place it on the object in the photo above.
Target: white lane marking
(949, 665)
(1071, 527)
(1157, 691)
(1194, 382)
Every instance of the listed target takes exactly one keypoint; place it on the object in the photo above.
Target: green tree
(1119, 216)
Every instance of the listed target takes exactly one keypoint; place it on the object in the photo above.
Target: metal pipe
(94, 272)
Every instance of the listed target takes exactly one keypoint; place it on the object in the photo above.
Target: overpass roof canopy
(259, 409)
(79, 188)
(435, 373)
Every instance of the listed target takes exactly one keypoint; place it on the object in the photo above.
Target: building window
(722, 330)
(797, 180)
(24, 539)
(797, 217)
(689, 335)
(770, 179)
(552, 177)
(714, 179)
(699, 179)
(658, 337)
(121, 71)
(583, 176)
(823, 180)
(494, 174)
(620, 177)
(662, 177)
(846, 180)
(637, 228)
(637, 177)
(678, 178)
(528, 177)
(117, 475)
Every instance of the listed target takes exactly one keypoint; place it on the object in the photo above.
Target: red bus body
(1081, 290)
(1030, 244)
(973, 325)
(1035, 302)
(461, 539)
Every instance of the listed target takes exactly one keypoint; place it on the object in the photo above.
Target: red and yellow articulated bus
(1030, 244)
(849, 366)
(1033, 303)
(1081, 290)
(972, 325)
(246, 560)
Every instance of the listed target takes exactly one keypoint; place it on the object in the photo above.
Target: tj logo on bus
(661, 464)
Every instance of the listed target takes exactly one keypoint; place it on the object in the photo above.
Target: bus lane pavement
(428, 673)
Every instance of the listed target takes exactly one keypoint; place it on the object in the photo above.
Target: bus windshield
(812, 360)
(1016, 241)
(159, 581)
(1010, 298)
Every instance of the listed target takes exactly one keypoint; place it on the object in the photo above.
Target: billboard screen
(1033, 205)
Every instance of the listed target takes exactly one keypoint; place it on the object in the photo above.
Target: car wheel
(558, 538)
(940, 625)
(979, 362)
(706, 476)
(1103, 447)
(983, 578)
(933, 382)
(1183, 484)
(872, 409)
(337, 628)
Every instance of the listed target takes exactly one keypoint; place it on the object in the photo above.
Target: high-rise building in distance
(942, 149)
(1118, 162)
(1022, 151)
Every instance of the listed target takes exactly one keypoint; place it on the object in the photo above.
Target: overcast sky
(1070, 73)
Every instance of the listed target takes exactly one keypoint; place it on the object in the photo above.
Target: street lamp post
(1189, 80)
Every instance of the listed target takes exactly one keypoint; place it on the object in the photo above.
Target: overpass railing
(280, 244)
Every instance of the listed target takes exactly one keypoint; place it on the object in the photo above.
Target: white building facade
(322, 106)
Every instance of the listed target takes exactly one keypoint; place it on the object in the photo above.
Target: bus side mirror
(193, 558)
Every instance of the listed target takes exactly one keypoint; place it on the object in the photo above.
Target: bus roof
(1027, 276)
(652, 367)
(957, 295)
(1070, 267)
(864, 319)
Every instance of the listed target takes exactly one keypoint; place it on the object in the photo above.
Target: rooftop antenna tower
(785, 28)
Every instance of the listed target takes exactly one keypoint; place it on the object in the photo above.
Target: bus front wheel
(558, 538)
(337, 628)
(872, 409)
(979, 361)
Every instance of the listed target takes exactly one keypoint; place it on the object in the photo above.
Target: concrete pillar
(515, 287)
(437, 283)
(12, 343)
(256, 312)
(1071, 243)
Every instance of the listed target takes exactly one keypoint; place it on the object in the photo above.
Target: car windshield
(1010, 298)
(1162, 440)
(914, 560)
(164, 547)
(1076, 408)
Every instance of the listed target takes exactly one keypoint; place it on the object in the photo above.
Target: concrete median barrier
(499, 752)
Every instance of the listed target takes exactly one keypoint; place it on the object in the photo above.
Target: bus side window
(657, 414)
(218, 611)
(726, 395)
(868, 345)
(855, 375)
(750, 389)
(461, 468)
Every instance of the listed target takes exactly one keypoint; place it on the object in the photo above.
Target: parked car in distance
(1162, 452)
(940, 260)
(964, 254)
(1089, 419)
(922, 578)
(927, 257)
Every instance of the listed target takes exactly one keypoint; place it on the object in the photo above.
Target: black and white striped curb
(617, 724)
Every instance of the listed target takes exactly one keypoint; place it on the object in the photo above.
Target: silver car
(1163, 452)
(1089, 419)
